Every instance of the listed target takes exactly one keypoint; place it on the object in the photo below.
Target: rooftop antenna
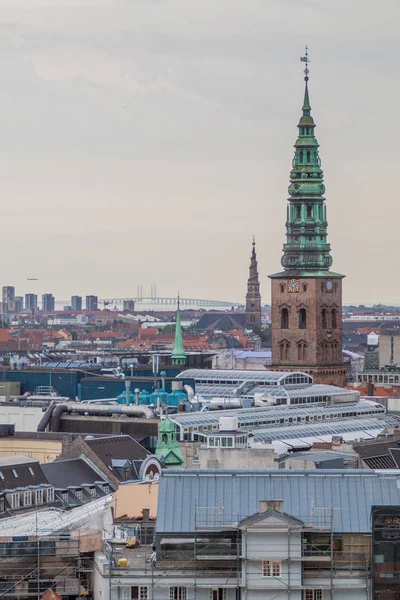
(306, 60)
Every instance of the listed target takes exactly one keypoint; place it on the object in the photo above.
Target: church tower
(306, 311)
(253, 296)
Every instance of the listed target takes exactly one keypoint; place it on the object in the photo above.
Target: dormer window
(14, 472)
(31, 471)
(79, 494)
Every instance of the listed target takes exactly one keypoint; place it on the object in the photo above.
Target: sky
(147, 141)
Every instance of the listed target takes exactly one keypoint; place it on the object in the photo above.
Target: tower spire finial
(306, 60)
(306, 103)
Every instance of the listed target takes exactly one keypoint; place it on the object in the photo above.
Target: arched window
(308, 156)
(304, 287)
(301, 350)
(301, 156)
(302, 318)
(284, 350)
(284, 318)
(298, 211)
(323, 318)
(282, 288)
(164, 438)
(309, 211)
(334, 318)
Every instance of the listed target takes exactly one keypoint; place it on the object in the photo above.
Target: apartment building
(261, 535)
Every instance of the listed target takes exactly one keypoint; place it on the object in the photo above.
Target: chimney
(276, 505)
(337, 440)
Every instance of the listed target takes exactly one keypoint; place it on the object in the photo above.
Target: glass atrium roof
(251, 418)
(299, 432)
(240, 376)
(300, 392)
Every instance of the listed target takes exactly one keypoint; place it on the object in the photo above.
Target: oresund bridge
(165, 301)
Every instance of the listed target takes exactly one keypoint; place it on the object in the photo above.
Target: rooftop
(232, 495)
(16, 459)
(240, 375)
(255, 416)
(73, 472)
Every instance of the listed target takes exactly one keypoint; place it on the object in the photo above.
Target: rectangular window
(271, 568)
(14, 500)
(31, 471)
(14, 472)
(50, 494)
(125, 593)
(27, 498)
(177, 593)
(39, 497)
(143, 592)
(313, 595)
(218, 594)
(139, 592)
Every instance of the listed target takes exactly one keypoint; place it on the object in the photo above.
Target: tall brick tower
(253, 296)
(306, 297)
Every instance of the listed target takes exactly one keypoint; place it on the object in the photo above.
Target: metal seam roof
(350, 493)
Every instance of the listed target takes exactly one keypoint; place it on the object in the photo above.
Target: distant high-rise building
(128, 305)
(92, 302)
(48, 303)
(8, 295)
(76, 302)
(31, 302)
(18, 304)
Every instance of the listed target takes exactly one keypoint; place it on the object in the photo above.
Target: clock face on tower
(293, 285)
(329, 285)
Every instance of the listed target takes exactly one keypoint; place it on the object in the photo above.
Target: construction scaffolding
(29, 567)
(228, 558)
(51, 549)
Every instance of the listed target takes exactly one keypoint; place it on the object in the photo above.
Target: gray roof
(72, 472)
(16, 459)
(235, 495)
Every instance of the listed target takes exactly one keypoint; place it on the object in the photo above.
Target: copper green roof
(306, 252)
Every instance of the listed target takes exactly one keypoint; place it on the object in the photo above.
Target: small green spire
(178, 353)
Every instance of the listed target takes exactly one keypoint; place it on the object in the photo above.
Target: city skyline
(161, 135)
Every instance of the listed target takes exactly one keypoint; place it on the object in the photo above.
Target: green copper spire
(178, 353)
(307, 251)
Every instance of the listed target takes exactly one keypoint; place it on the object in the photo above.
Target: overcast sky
(146, 141)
